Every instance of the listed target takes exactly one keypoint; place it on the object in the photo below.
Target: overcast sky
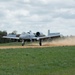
(38, 15)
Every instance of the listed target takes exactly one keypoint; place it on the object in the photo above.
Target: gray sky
(38, 15)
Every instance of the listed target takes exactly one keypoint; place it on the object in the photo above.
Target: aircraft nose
(21, 36)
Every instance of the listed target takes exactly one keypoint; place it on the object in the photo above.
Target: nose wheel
(23, 42)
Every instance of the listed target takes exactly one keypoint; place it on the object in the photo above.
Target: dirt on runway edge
(13, 47)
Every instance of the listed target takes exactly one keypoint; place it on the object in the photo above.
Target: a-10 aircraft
(31, 36)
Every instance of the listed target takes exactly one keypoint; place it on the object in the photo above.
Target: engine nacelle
(39, 34)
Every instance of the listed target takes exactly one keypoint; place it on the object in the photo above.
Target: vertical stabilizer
(48, 32)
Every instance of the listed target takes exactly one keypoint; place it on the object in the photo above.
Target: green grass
(38, 61)
(14, 44)
(11, 44)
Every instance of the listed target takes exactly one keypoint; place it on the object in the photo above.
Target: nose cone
(21, 36)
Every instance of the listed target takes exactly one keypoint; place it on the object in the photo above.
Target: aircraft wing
(37, 38)
(8, 37)
(44, 37)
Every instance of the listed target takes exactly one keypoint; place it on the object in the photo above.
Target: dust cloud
(63, 41)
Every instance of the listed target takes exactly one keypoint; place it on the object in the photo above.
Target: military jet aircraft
(29, 35)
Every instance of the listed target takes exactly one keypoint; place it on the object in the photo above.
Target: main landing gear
(40, 42)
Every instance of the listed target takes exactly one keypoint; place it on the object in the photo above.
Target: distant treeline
(2, 40)
(4, 33)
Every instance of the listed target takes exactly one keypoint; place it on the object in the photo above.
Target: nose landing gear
(23, 42)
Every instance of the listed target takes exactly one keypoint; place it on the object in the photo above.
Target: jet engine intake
(39, 34)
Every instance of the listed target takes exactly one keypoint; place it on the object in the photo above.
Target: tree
(14, 32)
(2, 33)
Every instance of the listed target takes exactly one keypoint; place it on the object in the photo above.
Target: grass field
(11, 44)
(38, 61)
(18, 43)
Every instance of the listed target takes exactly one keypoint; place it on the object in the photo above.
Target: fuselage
(28, 35)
